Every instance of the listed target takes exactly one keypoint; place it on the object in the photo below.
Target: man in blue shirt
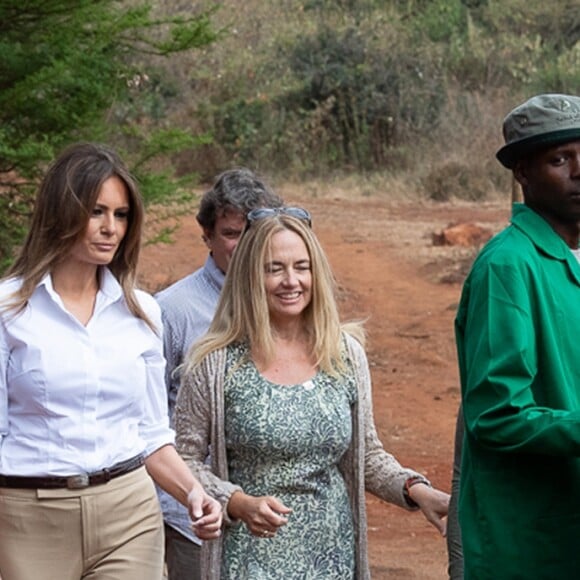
(188, 307)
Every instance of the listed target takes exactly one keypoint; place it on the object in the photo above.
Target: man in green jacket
(518, 345)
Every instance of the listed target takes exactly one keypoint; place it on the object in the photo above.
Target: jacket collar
(543, 236)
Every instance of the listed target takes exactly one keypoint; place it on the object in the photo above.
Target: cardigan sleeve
(384, 476)
(194, 413)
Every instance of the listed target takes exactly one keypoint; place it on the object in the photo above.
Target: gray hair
(239, 190)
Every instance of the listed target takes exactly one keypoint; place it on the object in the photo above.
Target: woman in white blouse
(83, 416)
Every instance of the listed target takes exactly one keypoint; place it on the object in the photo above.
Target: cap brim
(511, 153)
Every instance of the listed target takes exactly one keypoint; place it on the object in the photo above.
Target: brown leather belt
(79, 481)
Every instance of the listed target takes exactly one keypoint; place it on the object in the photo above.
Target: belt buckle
(78, 481)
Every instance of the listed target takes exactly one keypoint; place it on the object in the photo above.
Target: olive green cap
(541, 122)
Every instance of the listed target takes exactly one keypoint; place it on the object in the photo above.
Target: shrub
(454, 180)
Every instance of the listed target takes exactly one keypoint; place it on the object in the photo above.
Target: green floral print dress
(286, 441)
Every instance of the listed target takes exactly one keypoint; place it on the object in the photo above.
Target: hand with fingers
(263, 515)
(205, 513)
(434, 504)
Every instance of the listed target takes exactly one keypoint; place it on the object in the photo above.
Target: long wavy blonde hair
(242, 313)
(66, 197)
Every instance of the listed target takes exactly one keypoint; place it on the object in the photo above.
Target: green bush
(348, 100)
(441, 20)
(69, 72)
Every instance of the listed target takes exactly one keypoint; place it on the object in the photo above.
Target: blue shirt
(187, 309)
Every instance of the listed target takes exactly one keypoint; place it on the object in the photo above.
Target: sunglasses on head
(261, 213)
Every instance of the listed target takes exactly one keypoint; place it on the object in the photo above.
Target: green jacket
(518, 345)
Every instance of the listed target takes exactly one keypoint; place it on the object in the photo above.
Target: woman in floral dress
(279, 391)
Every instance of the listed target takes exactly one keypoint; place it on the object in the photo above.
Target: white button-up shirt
(77, 398)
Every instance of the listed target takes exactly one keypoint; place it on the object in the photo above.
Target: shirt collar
(544, 237)
(216, 276)
(539, 231)
(110, 286)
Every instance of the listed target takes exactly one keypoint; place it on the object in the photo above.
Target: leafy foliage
(68, 70)
(370, 94)
(315, 87)
(348, 99)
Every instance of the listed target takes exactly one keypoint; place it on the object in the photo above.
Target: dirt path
(389, 272)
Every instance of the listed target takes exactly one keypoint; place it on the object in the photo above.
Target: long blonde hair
(66, 197)
(242, 313)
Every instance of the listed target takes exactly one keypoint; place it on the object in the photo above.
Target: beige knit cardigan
(199, 424)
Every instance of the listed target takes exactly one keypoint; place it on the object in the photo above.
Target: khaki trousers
(105, 532)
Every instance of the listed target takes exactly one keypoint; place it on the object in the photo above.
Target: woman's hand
(205, 513)
(263, 515)
(433, 503)
(171, 473)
